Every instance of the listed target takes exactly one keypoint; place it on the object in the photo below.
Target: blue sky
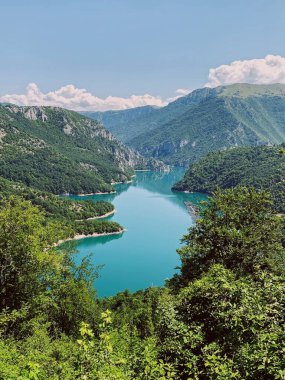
(126, 47)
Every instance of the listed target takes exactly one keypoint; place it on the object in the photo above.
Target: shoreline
(98, 217)
(118, 183)
(192, 209)
(95, 234)
(84, 195)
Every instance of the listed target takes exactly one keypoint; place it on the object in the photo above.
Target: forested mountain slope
(130, 123)
(207, 119)
(58, 150)
(126, 124)
(237, 115)
(261, 167)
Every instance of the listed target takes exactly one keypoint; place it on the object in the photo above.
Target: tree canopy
(222, 316)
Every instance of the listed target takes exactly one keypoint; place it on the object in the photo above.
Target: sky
(116, 54)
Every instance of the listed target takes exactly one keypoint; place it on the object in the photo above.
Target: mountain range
(207, 119)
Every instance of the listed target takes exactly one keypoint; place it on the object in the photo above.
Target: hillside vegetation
(126, 124)
(221, 316)
(203, 121)
(260, 167)
(74, 216)
(61, 151)
(130, 123)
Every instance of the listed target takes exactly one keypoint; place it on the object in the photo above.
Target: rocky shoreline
(192, 209)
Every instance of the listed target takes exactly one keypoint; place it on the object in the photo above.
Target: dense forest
(75, 216)
(261, 167)
(221, 317)
(61, 151)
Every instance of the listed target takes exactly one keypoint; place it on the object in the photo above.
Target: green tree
(24, 257)
(71, 296)
(240, 321)
(237, 229)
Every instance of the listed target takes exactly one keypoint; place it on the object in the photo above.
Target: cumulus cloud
(80, 99)
(183, 91)
(270, 69)
(180, 92)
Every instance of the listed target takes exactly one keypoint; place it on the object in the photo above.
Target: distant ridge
(205, 120)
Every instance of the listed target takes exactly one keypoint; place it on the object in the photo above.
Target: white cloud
(270, 69)
(80, 99)
(180, 92)
(183, 91)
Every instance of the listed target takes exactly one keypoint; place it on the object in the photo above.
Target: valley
(90, 229)
(208, 119)
(142, 190)
(154, 218)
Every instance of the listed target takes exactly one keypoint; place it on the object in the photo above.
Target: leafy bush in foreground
(221, 317)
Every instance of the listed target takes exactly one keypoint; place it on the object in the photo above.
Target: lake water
(155, 219)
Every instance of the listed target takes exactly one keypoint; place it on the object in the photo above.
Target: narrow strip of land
(99, 216)
(82, 236)
(99, 193)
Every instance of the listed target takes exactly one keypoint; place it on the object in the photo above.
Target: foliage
(60, 151)
(237, 229)
(54, 206)
(89, 227)
(23, 241)
(260, 167)
(75, 216)
(221, 318)
(228, 327)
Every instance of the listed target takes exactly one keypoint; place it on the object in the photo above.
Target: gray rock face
(67, 129)
(2, 134)
(123, 154)
(74, 127)
(183, 143)
(31, 113)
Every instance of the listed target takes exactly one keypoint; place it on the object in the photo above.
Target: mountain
(238, 115)
(262, 167)
(208, 119)
(126, 124)
(130, 123)
(57, 150)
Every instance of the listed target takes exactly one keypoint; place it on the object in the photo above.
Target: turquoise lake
(155, 219)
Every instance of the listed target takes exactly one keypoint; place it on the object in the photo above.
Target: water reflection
(120, 188)
(160, 183)
(157, 184)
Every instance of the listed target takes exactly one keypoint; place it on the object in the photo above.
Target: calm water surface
(155, 219)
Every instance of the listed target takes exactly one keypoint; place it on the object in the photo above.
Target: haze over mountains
(207, 119)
